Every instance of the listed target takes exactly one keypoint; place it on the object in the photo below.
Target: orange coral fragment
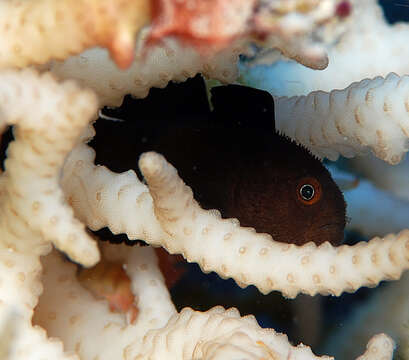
(116, 25)
(207, 25)
(57, 29)
(108, 280)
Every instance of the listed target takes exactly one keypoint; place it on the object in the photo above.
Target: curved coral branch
(364, 34)
(386, 311)
(102, 198)
(223, 334)
(291, 27)
(85, 323)
(379, 347)
(285, 25)
(36, 32)
(48, 117)
(219, 334)
(121, 202)
(214, 24)
(346, 122)
(9, 321)
(222, 246)
(161, 64)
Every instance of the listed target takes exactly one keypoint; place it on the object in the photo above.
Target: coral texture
(307, 268)
(48, 156)
(57, 29)
(347, 122)
(34, 214)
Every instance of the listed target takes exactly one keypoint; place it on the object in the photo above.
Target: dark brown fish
(235, 162)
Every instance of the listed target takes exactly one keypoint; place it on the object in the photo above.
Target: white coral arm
(219, 334)
(347, 122)
(103, 198)
(36, 32)
(223, 334)
(84, 323)
(80, 321)
(175, 221)
(160, 65)
(222, 246)
(48, 117)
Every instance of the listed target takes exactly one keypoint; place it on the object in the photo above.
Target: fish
(233, 159)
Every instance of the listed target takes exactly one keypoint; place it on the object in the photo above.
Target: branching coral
(92, 190)
(214, 334)
(71, 312)
(364, 115)
(364, 32)
(57, 29)
(159, 66)
(34, 214)
(50, 120)
(387, 310)
(44, 140)
(307, 268)
(283, 26)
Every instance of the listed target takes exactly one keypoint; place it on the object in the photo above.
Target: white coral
(49, 119)
(57, 29)
(256, 259)
(348, 122)
(34, 213)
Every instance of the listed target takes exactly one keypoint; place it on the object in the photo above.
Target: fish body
(235, 161)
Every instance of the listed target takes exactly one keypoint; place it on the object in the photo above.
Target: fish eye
(309, 191)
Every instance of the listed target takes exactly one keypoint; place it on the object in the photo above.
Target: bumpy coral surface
(349, 121)
(57, 29)
(34, 214)
(72, 320)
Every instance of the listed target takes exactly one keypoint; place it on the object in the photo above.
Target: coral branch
(222, 246)
(219, 334)
(85, 323)
(36, 32)
(282, 25)
(161, 64)
(347, 122)
(102, 198)
(352, 44)
(48, 117)
(43, 139)
(223, 334)
(379, 347)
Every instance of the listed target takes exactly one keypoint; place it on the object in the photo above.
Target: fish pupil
(307, 192)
